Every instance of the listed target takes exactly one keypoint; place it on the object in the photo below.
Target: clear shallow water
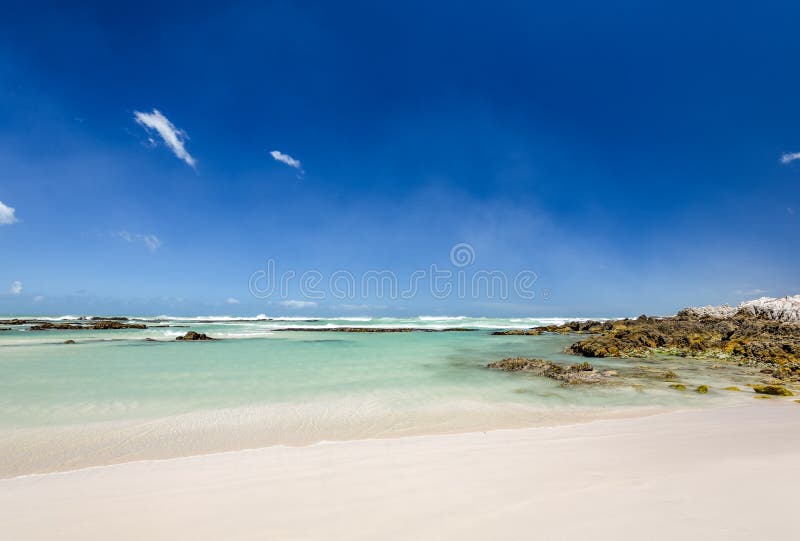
(113, 396)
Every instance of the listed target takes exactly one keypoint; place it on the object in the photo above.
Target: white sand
(727, 473)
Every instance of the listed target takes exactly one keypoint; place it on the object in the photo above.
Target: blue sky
(627, 153)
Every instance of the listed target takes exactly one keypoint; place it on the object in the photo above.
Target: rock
(774, 390)
(115, 324)
(760, 333)
(732, 389)
(18, 321)
(572, 327)
(786, 309)
(678, 386)
(100, 325)
(69, 341)
(192, 336)
(702, 389)
(571, 374)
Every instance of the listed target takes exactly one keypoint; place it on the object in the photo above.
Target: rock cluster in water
(764, 332)
(572, 374)
(192, 336)
(98, 325)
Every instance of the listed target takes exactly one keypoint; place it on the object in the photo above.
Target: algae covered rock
(764, 332)
(572, 374)
(732, 389)
(192, 336)
(702, 389)
(678, 386)
(774, 390)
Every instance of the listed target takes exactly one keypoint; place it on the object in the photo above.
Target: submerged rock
(731, 389)
(678, 386)
(702, 389)
(69, 341)
(192, 336)
(774, 390)
(572, 374)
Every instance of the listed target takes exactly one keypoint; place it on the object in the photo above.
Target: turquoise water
(113, 396)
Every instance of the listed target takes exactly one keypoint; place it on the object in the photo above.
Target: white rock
(786, 309)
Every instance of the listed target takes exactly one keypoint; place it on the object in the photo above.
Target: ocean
(114, 396)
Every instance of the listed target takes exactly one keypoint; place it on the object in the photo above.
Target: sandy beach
(722, 473)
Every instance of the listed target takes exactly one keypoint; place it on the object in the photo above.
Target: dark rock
(742, 337)
(572, 374)
(69, 341)
(774, 390)
(100, 325)
(192, 336)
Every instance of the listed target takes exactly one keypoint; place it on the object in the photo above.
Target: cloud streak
(789, 157)
(152, 242)
(173, 137)
(298, 304)
(7, 214)
(279, 156)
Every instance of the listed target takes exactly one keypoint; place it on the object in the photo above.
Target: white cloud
(173, 137)
(750, 292)
(288, 160)
(7, 214)
(789, 157)
(38, 298)
(152, 242)
(232, 300)
(298, 304)
(16, 288)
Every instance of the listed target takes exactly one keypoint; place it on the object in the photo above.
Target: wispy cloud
(7, 216)
(152, 242)
(750, 292)
(38, 298)
(789, 157)
(279, 156)
(298, 304)
(16, 288)
(173, 137)
(233, 300)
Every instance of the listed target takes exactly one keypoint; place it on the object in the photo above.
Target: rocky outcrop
(785, 309)
(572, 327)
(571, 374)
(763, 333)
(100, 325)
(192, 336)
